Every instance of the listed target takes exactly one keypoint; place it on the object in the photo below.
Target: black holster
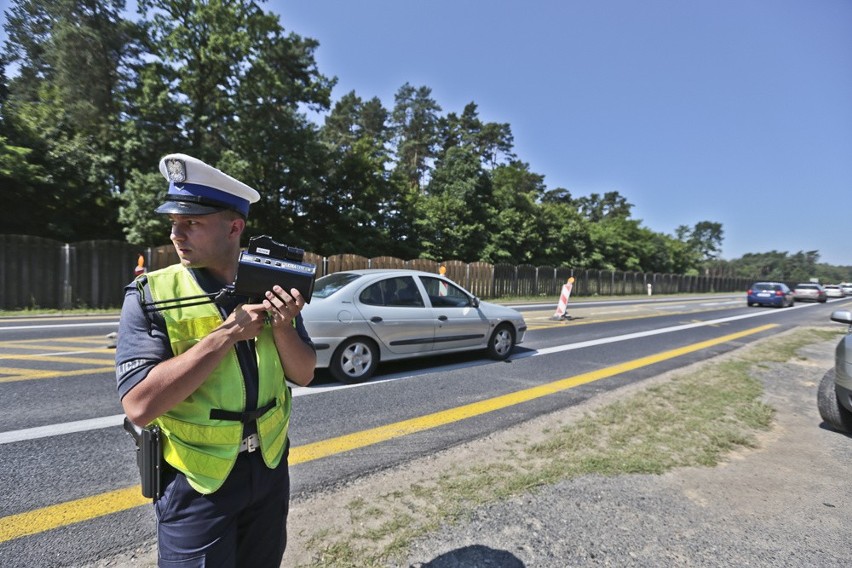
(149, 457)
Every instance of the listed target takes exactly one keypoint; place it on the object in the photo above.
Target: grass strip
(694, 419)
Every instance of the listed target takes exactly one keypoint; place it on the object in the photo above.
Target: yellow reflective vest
(202, 448)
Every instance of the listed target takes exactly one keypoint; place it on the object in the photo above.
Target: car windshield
(328, 285)
(761, 286)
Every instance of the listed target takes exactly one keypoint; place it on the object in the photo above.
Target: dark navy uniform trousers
(242, 524)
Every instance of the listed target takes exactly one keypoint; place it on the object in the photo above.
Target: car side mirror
(842, 316)
(474, 301)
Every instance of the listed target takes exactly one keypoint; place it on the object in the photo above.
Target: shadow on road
(475, 556)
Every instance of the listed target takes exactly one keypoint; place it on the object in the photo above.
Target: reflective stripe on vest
(204, 449)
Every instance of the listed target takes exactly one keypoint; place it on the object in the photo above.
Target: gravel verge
(785, 503)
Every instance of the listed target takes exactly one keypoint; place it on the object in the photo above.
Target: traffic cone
(562, 306)
(140, 266)
(443, 289)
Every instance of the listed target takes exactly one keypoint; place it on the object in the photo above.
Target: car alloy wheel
(355, 360)
(502, 342)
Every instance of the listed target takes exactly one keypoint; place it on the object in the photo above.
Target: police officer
(212, 377)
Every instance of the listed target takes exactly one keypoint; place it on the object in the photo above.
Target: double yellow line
(79, 510)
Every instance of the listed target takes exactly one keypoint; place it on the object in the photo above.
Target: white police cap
(196, 188)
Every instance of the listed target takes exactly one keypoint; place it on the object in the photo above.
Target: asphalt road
(72, 486)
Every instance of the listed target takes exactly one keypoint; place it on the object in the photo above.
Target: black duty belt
(244, 417)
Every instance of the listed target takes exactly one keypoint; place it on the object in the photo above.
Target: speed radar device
(266, 263)
(263, 265)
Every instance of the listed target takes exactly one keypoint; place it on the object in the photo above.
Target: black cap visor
(189, 208)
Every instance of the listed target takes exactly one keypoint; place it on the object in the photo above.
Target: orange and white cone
(140, 266)
(562, 306)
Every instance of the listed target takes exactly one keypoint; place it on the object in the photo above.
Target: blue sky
(732, 111)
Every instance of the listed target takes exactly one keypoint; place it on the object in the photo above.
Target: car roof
(389, 271)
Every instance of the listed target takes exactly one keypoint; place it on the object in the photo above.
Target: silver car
(809, 291)
(834, 291)
(834, 395)
(360, 317)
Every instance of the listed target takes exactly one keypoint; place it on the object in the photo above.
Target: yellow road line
(55, 349)
(57, 359)
(32, 522)
(619, 313)
(15, 374)
(87, 340)
(70, 512)
(324, 448)
(541, 322)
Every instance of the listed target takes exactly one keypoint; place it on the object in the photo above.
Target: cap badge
(176, 170)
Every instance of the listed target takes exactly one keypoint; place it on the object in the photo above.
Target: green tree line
(90, 99)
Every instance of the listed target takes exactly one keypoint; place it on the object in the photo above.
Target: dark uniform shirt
(143, 341)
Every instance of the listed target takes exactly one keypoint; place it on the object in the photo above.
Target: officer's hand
(246, 321)
(281, 307)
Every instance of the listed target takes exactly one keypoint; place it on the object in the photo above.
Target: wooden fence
(42, 273)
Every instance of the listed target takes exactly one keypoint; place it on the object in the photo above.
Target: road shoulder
(783, 503)
(778, 504)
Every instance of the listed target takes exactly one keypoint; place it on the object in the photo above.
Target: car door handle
(443, 318)
(376, 319)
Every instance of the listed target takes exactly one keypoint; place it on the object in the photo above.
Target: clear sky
(732, 111)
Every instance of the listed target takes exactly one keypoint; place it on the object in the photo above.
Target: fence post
(536, 286)
(515, 284)
(66, 277)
